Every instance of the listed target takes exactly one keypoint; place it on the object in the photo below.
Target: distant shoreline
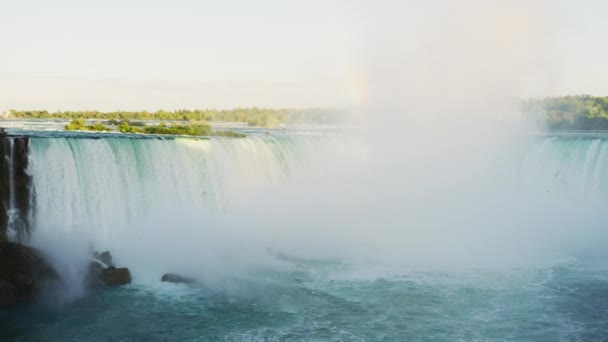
(580, 112)
(255, 117)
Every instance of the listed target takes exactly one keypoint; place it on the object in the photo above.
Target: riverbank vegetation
(581, 112)
(261, 117)
(193, 129)
(80, 125)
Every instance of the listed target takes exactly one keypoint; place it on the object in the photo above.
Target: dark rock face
(7, 293)
(25, 270)
(112, 276)
(93, 276)
(15, 185)
(21, 178)
(177, 279)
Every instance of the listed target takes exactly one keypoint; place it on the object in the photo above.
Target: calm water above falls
(167, 206)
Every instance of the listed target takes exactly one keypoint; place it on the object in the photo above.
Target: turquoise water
(213, 209)
(330, 301)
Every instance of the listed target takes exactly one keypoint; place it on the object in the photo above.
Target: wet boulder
(113, 276)
(102, 272)
(25, 270)
(93, 276)
(177, 279)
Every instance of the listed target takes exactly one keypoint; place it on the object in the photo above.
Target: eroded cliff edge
(15, 188)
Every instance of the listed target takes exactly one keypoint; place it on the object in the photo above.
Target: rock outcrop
(23, 272)
(15, 185)
(177, 279)
(8, 293)
(113, 276)
(93, 276)
(103, 273)
(104, 257)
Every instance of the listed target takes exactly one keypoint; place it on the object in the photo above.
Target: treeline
(581, 112)
(263, 117)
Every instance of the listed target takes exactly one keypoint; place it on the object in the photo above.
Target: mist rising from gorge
(441, 177)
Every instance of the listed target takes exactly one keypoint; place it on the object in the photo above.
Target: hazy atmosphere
(133, 55)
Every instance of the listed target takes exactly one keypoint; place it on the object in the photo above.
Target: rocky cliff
(15, 188)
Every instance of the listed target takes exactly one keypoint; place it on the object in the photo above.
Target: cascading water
(110, 193)
(99, 184)
(573, 165)
(252, 219)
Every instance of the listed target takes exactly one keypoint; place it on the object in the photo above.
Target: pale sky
(580, 31)
(148, 54)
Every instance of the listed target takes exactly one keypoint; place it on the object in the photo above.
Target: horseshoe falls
(108, 193)
(292, 236)
(99, 184)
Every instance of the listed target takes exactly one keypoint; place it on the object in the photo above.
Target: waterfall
(98, 184)
(112, 192)
(574, 166)
(170, 198)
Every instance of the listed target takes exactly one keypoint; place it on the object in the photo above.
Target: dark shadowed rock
(112, 276)
(25, 269)
(22, 185)
(7, 293)
(93, 277)
(105, 257)
(177, 279)
(13, 165)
